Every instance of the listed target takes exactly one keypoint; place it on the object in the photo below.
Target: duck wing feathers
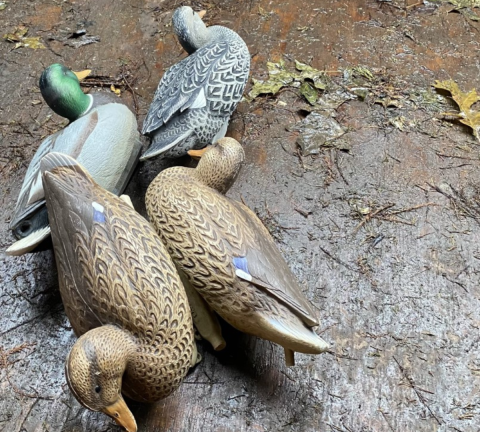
(214, 77)
(222, 236)
(105, 140)
(113, 268)
(31, 193)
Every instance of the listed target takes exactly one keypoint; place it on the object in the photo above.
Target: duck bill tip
(197, 154)
(82, 74)
(202, 13)
(120, 412)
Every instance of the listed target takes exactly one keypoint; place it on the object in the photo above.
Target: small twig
(30, 320)
(370, 216)
(386, 420)
(388, 218)
(457, 157)
(338, 168)
(456, 166)
(339, 261)
(414, 388)
(237, 396)
(99, 83)
(456, 282)
(412, 208)
(25, 417)
(25, 129)
(5, 363)
(420, 3)
(135, 102)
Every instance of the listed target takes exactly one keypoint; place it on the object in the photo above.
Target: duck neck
(219, 176)
(197, 38)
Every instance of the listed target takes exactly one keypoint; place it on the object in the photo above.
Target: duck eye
(24, 227)
(98, 389)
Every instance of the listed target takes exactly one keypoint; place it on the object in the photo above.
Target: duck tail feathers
(54, 160)
(171, 134)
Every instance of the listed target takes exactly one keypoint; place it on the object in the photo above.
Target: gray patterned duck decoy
(196, 97)
(103, 136)
(227, 254)
(121, 292)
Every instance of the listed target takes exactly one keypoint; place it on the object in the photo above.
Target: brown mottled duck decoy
(121, 292)
(227, 254)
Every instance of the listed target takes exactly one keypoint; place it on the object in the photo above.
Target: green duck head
(61, 90)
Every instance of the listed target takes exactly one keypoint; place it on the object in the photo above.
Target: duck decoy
(102, 135)
(121, 292)
(196, 97)
(227, 254)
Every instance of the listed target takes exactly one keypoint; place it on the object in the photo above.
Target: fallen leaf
(465, 7)
(460, 4)
(307, 72)
(363, 71)
(17, 34)
(317, 130)
(32, 42)
(279, 77)
(309, 92)
(398, 122)
(81, 40)
(3, 5)
(115, 90)
(465, 101)
(20, 41)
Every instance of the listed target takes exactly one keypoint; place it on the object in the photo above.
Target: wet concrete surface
(384, 238)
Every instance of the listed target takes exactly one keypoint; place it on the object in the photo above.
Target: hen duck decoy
(102, 136)
(227, 254)
(121, 293)
(196, 97)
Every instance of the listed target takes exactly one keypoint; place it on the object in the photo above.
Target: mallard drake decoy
(121, 292)
(102, 136)
(196, 97)
(227, 254)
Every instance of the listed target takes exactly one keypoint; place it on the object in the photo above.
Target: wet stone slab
(381, 227)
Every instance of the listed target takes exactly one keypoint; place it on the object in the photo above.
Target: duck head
(220, 163)
(190, 29)
(94, 371)
(61, 90)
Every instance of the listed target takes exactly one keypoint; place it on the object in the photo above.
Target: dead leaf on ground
(83, 39)
(19, 39)
(17, 34)
(465, 7)
(305, 77)
(317, 130)
(465, 101)
(115, 90)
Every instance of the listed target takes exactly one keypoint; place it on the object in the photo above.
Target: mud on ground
(381, 226)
